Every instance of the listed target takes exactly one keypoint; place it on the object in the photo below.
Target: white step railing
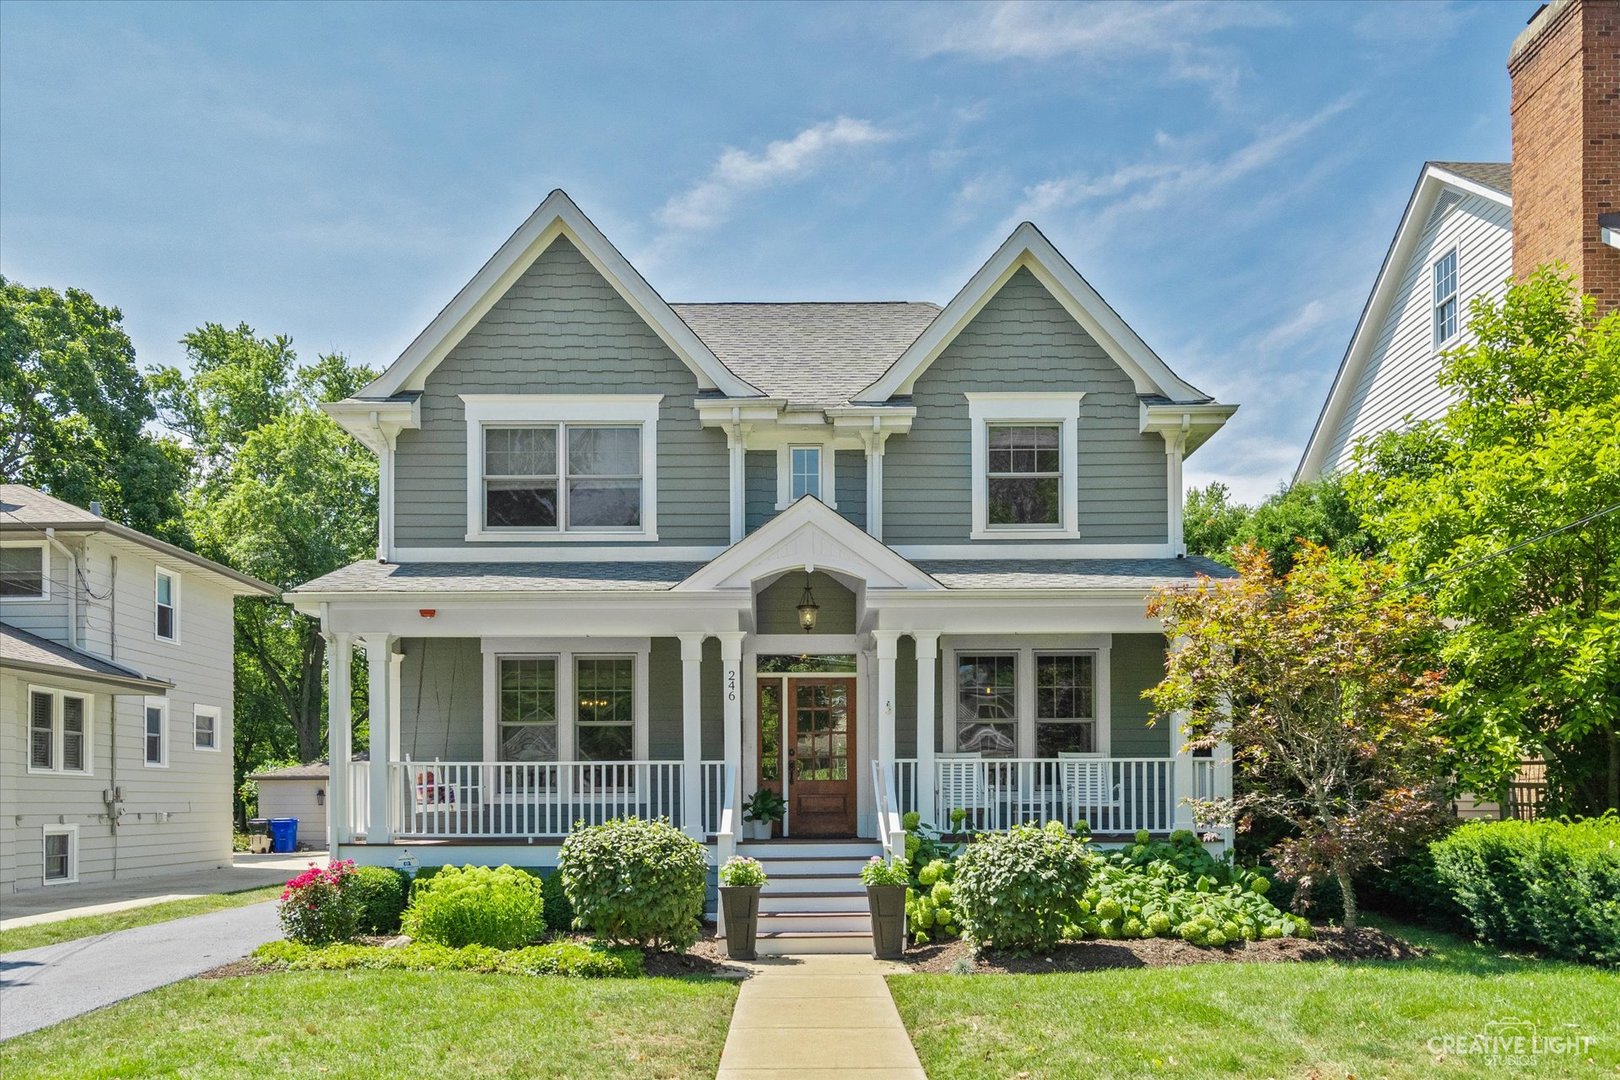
(482, 799)
(1111, 795)
(891, 832)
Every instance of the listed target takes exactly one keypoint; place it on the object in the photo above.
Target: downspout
(75, 638)
(114, 809)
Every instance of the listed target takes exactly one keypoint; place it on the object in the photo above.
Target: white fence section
(1111, 795)
(468, 799)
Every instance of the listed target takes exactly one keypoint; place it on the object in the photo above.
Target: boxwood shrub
(1549, 884)
(568, 958)
(379, 893)
(635, 881)
(1017, 890)
(475, 905)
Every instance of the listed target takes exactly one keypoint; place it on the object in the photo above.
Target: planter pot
(740, 903)
(887, 904)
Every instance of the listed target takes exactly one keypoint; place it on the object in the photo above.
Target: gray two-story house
(648, 558)
(116, 678)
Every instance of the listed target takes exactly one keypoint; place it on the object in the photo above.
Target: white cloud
(737, 172)
(1312, 315)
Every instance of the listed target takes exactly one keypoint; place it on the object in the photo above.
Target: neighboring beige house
(116, 655)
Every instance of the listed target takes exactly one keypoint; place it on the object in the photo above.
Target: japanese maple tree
(1320, 683)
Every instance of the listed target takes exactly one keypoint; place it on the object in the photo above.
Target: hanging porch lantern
(808, 608)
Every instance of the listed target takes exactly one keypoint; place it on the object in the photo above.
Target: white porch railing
(713, 777)
(359, 797)
(1111, 795)
(1204, 778)
(905, 785)
(478, 799)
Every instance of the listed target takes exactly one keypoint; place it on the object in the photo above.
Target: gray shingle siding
(1023, 340)
(759, 488)
(560, 329)
(849, 477)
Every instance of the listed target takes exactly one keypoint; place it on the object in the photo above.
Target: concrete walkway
(44, 986)
(809, 1017)
(44, 905)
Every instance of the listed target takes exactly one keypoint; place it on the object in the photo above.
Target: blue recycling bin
(284, 834)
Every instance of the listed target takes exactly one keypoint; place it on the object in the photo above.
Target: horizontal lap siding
(1021, 341)
(849, 477)
(1398, 379)
(1138, 663)
(560, 329)
(664, 700)
(296, 799)
(441, 699)
(759, 488)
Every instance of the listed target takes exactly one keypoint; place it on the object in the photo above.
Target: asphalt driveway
(44, 986)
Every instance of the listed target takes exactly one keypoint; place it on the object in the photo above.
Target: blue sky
(1228, 176)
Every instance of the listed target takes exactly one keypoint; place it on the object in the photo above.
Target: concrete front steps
(814, 901)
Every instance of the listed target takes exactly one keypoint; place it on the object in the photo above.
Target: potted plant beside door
(740, 881)
(886, 900)
(764, 810)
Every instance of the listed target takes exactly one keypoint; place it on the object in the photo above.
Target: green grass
(1276, 1020)
(378, 1024)
(28, 937)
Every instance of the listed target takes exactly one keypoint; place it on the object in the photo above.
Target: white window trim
(1026, 648)
(159, 573)
(72, 833)
(163, 705)
(215, 713)
(1455, 296)
(566, 651)
(784, 472)
(1062, 409)
(614, 410)
(58, 731)
(44, 571)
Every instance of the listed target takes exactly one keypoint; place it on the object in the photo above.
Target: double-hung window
(805, 477)
(1445, 298)
(167, 625)
(61, 854)
(987, 704)
(1065, 704)
(155, 732)
(1025, 465)
(24, 571)
(205, 727)
(58, 731)
(561, 467)
(528, 708)
(567, 706)
(604, 688)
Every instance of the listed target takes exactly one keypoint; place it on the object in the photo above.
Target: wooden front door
(821, 756)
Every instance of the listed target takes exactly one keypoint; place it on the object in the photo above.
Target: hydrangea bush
(636, 881)
(1017, 889)
(317, 908)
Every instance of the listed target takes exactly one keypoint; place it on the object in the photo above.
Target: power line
(1511, 548)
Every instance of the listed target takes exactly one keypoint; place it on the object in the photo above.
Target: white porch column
(927, 666)
(379, 664)
(731, 692)
(736, 446)
(692, 734)
(1181, 769)
(887, 649)
(339, 732)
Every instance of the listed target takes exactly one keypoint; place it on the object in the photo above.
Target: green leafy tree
(1319, 511)
(281, 492)
(1318, 680)
(74, 410)
(1506, 510)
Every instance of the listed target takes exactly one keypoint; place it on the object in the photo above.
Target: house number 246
(731, 684)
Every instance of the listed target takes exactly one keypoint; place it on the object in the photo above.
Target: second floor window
(806, 479)
(22, 572)
(1445, 298)
(168, 606)
(562, 477)
(1024, 474)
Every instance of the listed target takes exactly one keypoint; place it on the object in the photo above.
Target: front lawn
(51, 933)
(1290, 1019)
(371, 1024)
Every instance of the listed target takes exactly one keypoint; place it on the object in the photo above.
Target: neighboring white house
(299, 792)
(1454, 243)
(116, 655)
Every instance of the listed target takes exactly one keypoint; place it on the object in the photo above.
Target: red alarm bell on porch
(427, 612)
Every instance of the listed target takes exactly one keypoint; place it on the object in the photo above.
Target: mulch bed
(1330, 943)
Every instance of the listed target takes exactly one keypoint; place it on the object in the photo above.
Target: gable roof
(556, 216)
(1028, 248)
(1473, 178)
(28, 511)
(24, 651)
(809, 533)
(809, 353)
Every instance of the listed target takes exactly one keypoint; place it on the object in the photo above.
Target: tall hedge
(1548, 884)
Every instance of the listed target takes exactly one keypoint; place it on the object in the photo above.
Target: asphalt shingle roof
(27, 505)
(813, 353)
(1493, 174)
(372, 576)
(1144, 574)
(26, 651)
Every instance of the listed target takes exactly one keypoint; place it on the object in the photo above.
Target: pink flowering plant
(317, 908)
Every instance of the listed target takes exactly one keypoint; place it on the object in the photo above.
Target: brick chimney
(1565, 72)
